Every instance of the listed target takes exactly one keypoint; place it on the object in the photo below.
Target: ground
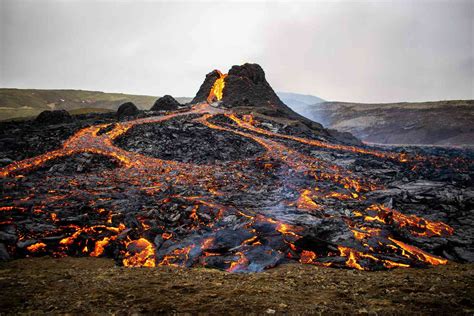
(91, 285)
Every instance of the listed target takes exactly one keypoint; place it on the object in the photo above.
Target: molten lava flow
(248, 126)
(306, 202)
(419, 254)
(366, 232)
(177, 257)
(100, 246)
(307, 257)
(354, 259)
(36, 247)
(239, 263)
(88, 140)
(418, 226)
(140, 253)
(7, 208)
(217, 89)
(184, 228)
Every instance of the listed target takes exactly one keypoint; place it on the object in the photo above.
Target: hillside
(30, 102)
(300, 103)
(433, 123)
(289, 97)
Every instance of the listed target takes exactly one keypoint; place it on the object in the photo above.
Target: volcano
(236, 181)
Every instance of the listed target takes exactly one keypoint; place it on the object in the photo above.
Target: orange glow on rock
(36, 247)
(307, 197)
(307, 257)
(217, 89)
(140, 253)
(419, 254)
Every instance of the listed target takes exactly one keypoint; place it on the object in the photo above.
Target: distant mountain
(299, 98)
(421, 123)
(30, 102)
(300, 103)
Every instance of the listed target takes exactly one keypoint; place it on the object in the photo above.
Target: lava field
(234, 181)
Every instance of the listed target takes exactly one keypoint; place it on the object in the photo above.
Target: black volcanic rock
(165, 103)
(180, 140)
(4, 255)
(344, 137)
(226, 190)
(54, 117)
(246, 86)
(127, 109)
(203, 93)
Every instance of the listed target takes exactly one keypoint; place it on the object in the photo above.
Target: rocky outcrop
(246, 86)
(165, 103)
(54, 117)
(127, 109)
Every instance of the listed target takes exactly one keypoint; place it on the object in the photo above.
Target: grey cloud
(355, 51)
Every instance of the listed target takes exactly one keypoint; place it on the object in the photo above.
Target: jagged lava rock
(165, 103)
(54, 117)
(127, 109)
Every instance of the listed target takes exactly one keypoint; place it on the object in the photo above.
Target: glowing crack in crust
(149, 175)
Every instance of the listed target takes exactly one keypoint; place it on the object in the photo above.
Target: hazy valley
(444, 123)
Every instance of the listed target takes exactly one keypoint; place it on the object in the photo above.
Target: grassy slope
(30, 102)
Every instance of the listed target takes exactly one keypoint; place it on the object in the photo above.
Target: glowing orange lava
(141, 253)
(151, 175)
(217, 89)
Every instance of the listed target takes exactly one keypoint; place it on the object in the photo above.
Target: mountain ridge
(407, 123)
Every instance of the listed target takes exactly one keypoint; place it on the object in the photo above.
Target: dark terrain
(237, 182)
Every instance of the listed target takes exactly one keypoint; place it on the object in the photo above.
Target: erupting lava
(217, 89)
(193, 221)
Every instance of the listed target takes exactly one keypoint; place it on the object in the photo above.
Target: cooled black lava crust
(77, 164)
(184, 141)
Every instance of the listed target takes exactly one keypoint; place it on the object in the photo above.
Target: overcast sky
(360, 51)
